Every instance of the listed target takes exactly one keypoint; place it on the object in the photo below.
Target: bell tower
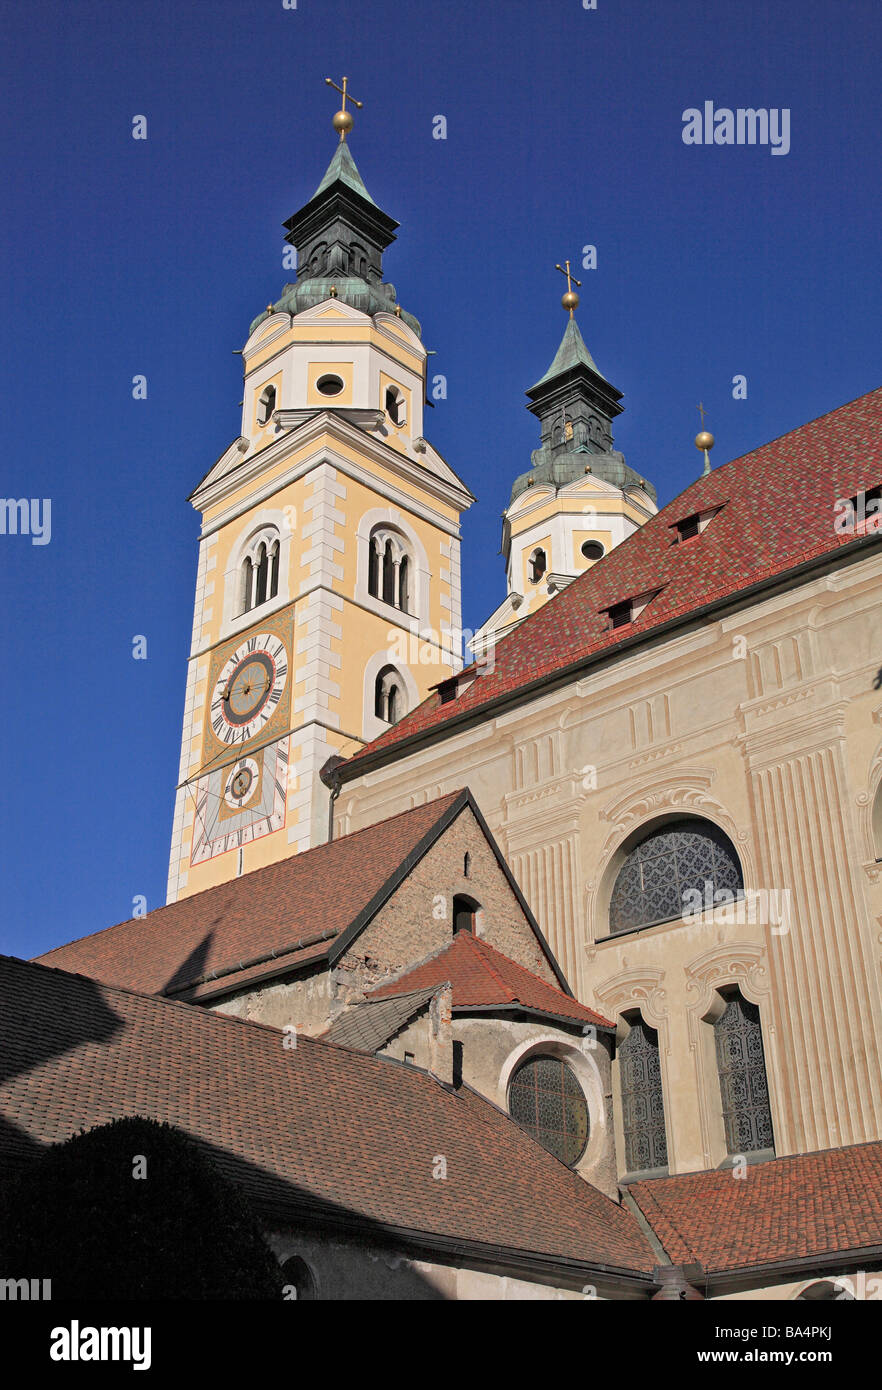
(579, 498)
(328, 580)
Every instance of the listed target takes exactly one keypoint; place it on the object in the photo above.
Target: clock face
(249, 688)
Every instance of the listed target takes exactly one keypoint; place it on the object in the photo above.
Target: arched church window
(465, 912)
(403, 582)
(262, 575)
(643, 1106)
(665, 869)
(259, 570)
(389, 569)
(545, 1098)
(298, 1280)
(266, 404)
(742, 1067)
(538, 565)
(388, 696)
(395, 405)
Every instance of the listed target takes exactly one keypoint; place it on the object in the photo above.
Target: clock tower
(328, 581)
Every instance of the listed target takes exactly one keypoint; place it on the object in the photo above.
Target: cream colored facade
(765, 722)
(557, 522)
(319, 479)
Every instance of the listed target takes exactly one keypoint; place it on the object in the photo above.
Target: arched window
(259, 570)
(388, 695)
(266, 404)
(389, 569)
(395, 405)
(465, 911)
(742, 1067)
(666, 867)
(545, 1098)
(298, 1279)
(403, 581)
(643, 1106)
(467, 865)
(538, 565)
(829, 1291)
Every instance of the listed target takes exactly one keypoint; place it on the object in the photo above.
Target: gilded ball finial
(570, 300)
(704, 440)
(343, 122)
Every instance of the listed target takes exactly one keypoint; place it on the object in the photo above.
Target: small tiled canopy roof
(483, 978)
(777, 516)
(789, 1209)
(297, 908)
(315, 1130)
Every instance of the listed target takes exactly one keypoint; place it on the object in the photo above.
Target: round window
(329, 385)
(546, 1099)
(592, 550)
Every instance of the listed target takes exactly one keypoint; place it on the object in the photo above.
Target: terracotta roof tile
(804, 1206)
(482, 976)
(313, 1129)
(777, 514)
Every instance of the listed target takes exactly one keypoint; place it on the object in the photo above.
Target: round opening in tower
(329, 385)
(592, 550)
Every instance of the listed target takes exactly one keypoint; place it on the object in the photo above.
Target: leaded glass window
(742, 1067)
(547, 1100)
(677, 858)
(643, 1106)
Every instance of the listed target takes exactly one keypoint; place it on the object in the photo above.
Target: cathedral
(543, 966)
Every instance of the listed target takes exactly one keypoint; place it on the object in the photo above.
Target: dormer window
(266, 404)
(538, 564)
(395, 405)
(693, 525)
(620, 615)
(629, 610)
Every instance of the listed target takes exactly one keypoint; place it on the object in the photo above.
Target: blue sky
(124, 257)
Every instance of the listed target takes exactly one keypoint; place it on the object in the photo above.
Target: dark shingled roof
(804, 1206)
(777, 514)
(312, 1130)
(370, 1025)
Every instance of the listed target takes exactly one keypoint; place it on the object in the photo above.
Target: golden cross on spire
(570, 300)
(343, 118)
(702, 412)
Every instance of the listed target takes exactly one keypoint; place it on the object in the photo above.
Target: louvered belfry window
(659, 871)
(643, 1106)
(546, 1099)
(743, 1086)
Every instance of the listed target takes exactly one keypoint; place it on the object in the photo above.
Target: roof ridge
(488, 965)
(278, 864)
(570, 998)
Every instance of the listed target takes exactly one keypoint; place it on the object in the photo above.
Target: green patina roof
(571, 353)
(343, 167)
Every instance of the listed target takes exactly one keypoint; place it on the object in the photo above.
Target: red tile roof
(304, 902)
(777, 514)
(315, 1129)
(787, 1209)
(482, 977)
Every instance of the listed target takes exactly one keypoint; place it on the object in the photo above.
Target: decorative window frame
(587, 1074)
(638, 990)
(420, 574)
(266, 526)
(743, 964)
(371, 725)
